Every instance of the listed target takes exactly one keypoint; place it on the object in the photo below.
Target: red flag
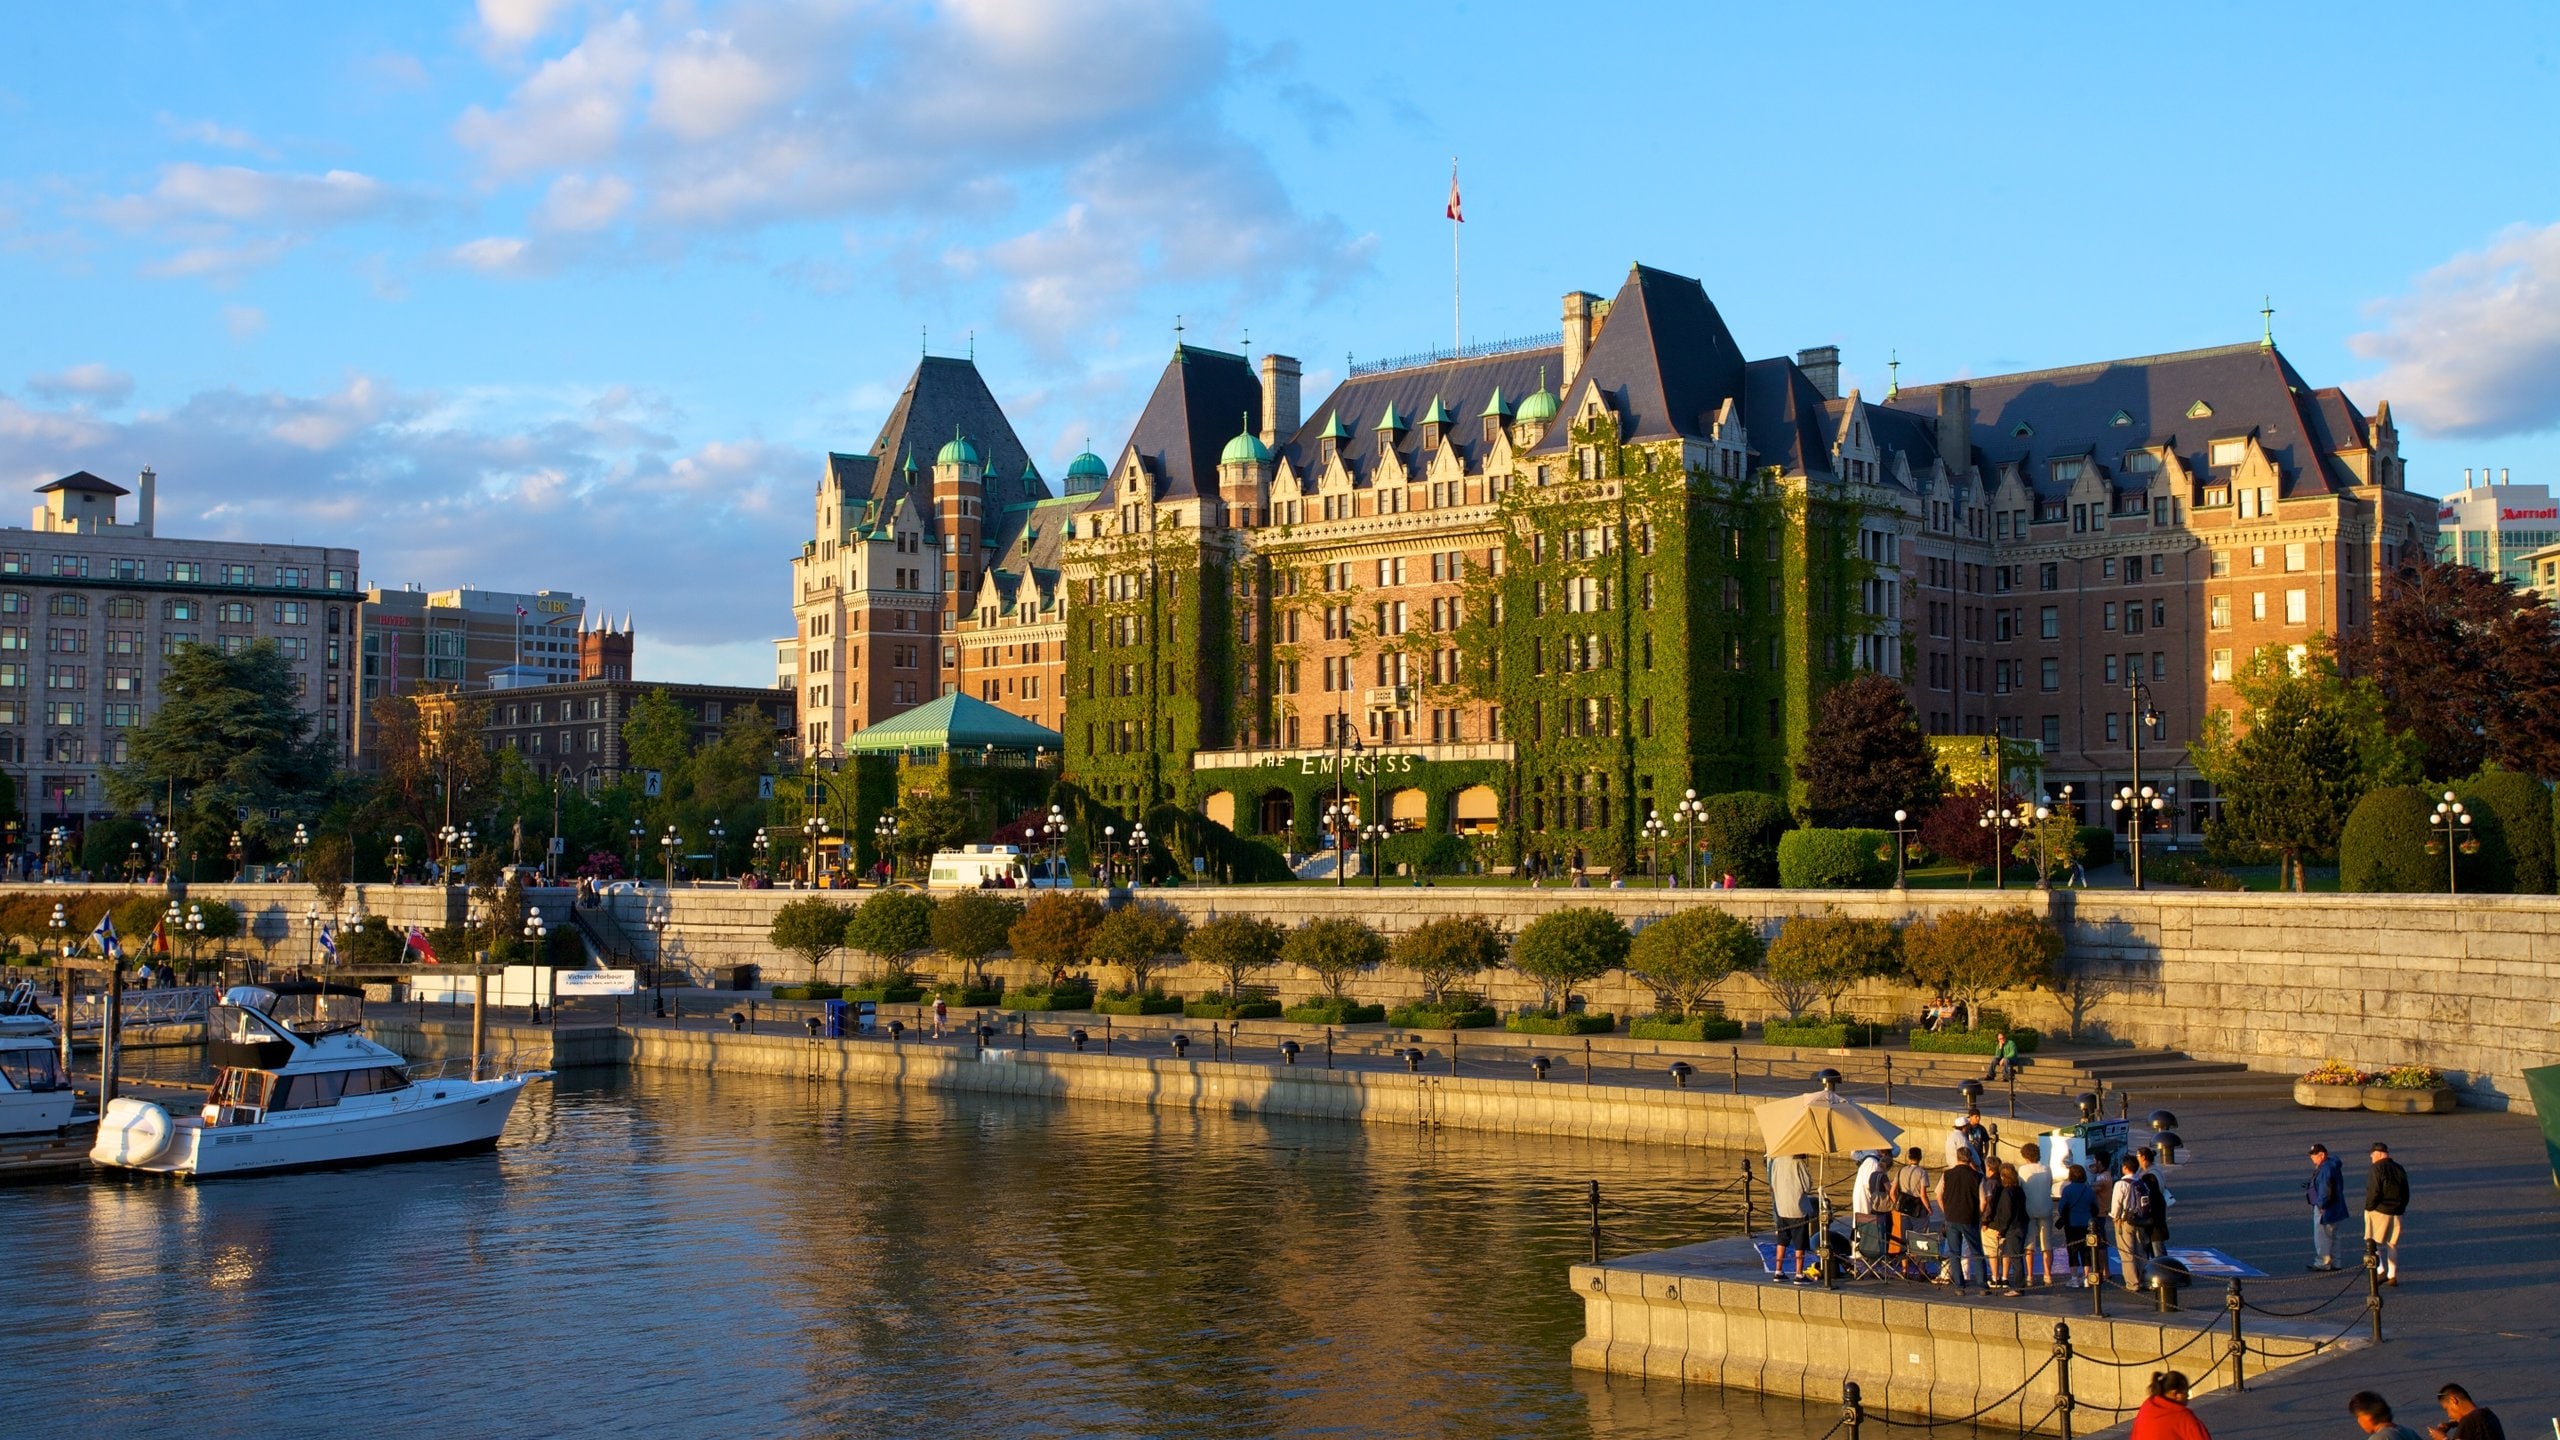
(1457, 211)
(417, 945)
(159, 938)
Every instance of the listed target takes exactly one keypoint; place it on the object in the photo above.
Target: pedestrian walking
(2165, 1415)
(2464, 1420)
(2386, 1199)
(2373, 1416)
(1960, 1200)
(2326, 1193)
(941, 1015)
(1790, 1191)
(2035, 1189)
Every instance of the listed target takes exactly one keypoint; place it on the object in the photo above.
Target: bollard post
(1853, 1409)
(2097, 1274)
(1737, 1069)
(1747, 1225)
(1888, 1079)
(2373, 1289)
(2239, 1343)
(1328, 1047)
(1822, 1239)
(1595, 1222)
(2124, 1106)
(1106, 1034)
(2062, 1401)
(751, 1017)
(1586, 1060)
(1453, 1052)
(2013, 1092)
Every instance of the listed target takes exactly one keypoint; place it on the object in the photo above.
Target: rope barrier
(2354, 1278)
(2354, 1323)
(2210, 1327)
(2038, 1374)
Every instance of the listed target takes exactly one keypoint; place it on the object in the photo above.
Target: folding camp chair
(1871, 1252)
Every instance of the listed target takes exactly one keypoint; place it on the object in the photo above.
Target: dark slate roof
(1788, 421)
(1664, 356)
(1203, 398)
(82, 480)
(2250, 388)
(944, 397)
(1915, 436)
(1037, 538)
(1464, 384)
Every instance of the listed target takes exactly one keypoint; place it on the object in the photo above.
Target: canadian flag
(417, 945)
(1457, 211)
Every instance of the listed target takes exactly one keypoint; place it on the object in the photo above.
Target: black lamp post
(2451, 826)
(1654, 830)
(1053, 833)
(1902, 833)
(2137, 806)
(1137, 854)
(719, 834)
(1689, 812)
(667, 844)
(887, 833)
(1375, 834)
(637, 830)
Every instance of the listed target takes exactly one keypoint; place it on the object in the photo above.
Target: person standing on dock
(2035, 1191)
(1960, 1200)
(1790, 1194)
(2127, 1207)
(2386, 1199)
(941, 1015)
(2326, 1191)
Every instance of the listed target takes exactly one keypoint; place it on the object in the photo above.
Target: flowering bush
(2409, 1077)
(2336, 1072)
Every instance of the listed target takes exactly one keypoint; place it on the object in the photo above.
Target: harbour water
(666, 1254)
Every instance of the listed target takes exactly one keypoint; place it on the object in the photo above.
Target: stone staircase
(2171, 1075)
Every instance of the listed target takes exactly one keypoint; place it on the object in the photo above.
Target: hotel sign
(2551, 512)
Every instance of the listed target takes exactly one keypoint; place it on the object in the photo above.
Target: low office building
(2496, 526)
(92, 604)
(413, 639)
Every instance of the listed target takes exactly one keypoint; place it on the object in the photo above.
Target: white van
(976, 867)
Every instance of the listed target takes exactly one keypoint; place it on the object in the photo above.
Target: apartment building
(93, 602)
(412, 639)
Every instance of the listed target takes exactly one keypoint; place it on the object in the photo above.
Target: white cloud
(570, 111)
(93, 382)
(579, 202)
(497, 254)
(587, 489)
(704, 87)
(242, 195)
(514, 22)
(2473, 347)
(221, 262)
(209, 132)
(243, 321)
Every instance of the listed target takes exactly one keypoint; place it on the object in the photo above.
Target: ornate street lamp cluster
(2450, 827)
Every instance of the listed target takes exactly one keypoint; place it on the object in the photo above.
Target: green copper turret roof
(958, 452)
(908, 466)
(1087, 466)
(1541, 407)
(1438, 414)
(1334, 429)
(1246, 449)
(1496, 408)
(1391, 420)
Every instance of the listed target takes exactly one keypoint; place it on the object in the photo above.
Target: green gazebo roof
(954, 722)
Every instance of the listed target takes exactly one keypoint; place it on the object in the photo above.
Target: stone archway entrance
(1279, 813)
(1476, 810)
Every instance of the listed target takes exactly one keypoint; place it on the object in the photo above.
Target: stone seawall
(1518, 1107)
(2469, 984)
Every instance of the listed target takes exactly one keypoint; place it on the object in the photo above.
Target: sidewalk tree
(1824, 956)
(1444, 951)
(927, 823)
(2522, 806)
(1865, 755)
(1140, 937)
(1953, 829)
(1968, 955)
(973, 924)
(1056, 931)
(2468, 666)
(1684, 956)
(1565, 948)
(2290, 769)
(810, 928)
(1334, 951)
(419, 767)
(890, 926)
(1740, 836)
(227, 738)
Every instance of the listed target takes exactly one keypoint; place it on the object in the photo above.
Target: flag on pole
(329, 942)
(417, 945)
(108, 946)
(1457, 211)
(159, 937)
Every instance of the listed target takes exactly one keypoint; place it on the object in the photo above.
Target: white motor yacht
(288, 1095)
(35, 1097)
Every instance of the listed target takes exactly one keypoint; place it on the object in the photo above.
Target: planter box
(2327, 1097)
(2386, 1100)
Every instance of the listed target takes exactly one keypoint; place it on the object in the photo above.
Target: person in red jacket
(2165, 1415)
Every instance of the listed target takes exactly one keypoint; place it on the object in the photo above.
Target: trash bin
(835, 1019)
(866, 1016)
(742, 977)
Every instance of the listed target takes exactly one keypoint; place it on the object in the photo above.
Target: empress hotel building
(1539, 593)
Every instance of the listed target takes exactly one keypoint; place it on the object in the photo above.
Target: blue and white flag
(329, 941)
(108, 946)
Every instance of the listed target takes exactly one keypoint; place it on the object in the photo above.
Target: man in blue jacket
(2326, 1192)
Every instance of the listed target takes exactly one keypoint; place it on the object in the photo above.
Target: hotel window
(172, 641)
(2050, 671)
(71, 567)
(2297, 607)
(66, 677)
(2111, 669)
(14, 602)
(125, 569)
(2049, 622)
(293, 612)
(239, 574)
(2106, 617)
(334, 580)
(2052, 733)
(293, 577)
(66, 712)
(2257, 604)
(13, 562)
(236, 612)
(2133, 618)
(233, 644)
(68, 606)
(186, 572)
(123, 715)
(13, 637)
(2113, 723)
(2296, 557)
(124, 680)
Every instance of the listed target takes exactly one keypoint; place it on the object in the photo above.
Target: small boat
(35, 1096)
(287, 1095)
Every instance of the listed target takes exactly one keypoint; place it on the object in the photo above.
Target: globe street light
(311, 935)
(301, 843)
(667, 844)
(1690, 812)
(1654, 830)
(2451, 827)
(533, 938)
(399, 857)
(133, 862)
(238, 853)
(1999, 820)
(887, 833)
(1053, 834)
(2137, 807)
(637, 831)
(1375, 836)
(763, 843)
(195, 937)
(1137, 854)
(719, 833)
(1903, 830)
(813, 830)
(1109, 834)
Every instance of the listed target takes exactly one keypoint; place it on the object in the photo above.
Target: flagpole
(1457, 305)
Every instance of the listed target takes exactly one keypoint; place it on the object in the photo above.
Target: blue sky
(555, 293)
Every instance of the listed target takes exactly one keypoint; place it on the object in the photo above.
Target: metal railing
(188, 1006)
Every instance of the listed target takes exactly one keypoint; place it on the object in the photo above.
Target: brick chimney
(1821, 365)
(1279, 399)
(1955, 426)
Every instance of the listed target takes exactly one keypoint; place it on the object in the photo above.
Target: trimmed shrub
(1815, 1034)
(1044, 997)
(1705, 1027)
(1979, 1041)
(1447, 950)
(1425, 1017)
(886, 992)
(1565, 948)
(1683, 956)
(2385, 845)
(1741, 834)
(2097, 846)
(967, 996)
(1335, 1012)
(1834, 860)
(1221, 1007)
(1565, 1024)
(808, 992)
(1428, 852)
(2521, 804)
(2189, 870)
(1155, 1002)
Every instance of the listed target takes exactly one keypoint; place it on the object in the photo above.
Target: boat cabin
(265, 1065)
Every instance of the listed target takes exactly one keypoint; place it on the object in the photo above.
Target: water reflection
(669, 1255)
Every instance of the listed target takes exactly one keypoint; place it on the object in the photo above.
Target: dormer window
(2229, 452)
(1492, 428)
(1328, 450)
(2067, 471)
(2141, 462)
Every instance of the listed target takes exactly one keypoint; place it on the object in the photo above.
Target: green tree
(1056, 931)
(1237, 947)
(109, 847)
(1684, 956)
(1865, 755)
(1740, 835)
(657, 735)
(973, 924)
(891, 925)
(2522, 806)
(1569, 947)
(423, 771)
(1444, 951)
(2467, 666)
(1333, 949)
(1968, 955)
(2393, 843)
(1824, 956)
(929, 823)
(810, 928)
(2290, 771)
(1139, 937)
(227, 739)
